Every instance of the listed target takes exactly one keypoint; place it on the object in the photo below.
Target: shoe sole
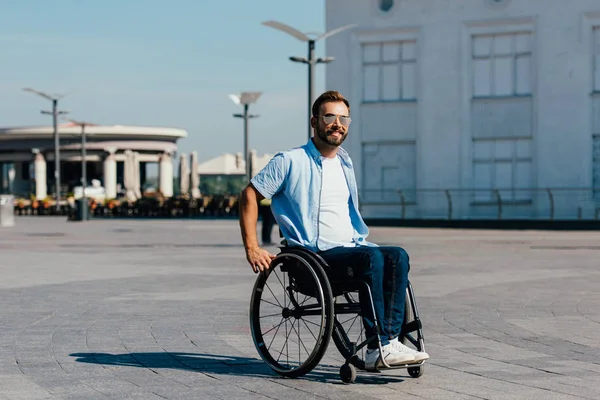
(379, 363)
(421, 359)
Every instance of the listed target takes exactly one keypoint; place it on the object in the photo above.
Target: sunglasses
(331, 118)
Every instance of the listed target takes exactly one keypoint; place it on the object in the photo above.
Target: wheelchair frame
(302, 265)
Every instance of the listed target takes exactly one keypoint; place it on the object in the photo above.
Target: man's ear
(313, 122)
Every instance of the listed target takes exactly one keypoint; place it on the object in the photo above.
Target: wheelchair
(296, 309)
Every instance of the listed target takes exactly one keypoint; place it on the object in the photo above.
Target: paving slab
(158, 309)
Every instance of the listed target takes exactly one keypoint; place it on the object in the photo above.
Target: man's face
(329, 124)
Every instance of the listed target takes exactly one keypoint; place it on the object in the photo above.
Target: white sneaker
(403, 349)
(390, 355)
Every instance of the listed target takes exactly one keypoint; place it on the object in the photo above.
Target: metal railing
(455, 204)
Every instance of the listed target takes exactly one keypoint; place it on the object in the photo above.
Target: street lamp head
(80, 123)
(235, 98)
(59, 112)
(299, 59)
(304, 36)
(30, 90)
(44, 95)
(325, 60)
(287, 29)
(336, 31)
(245, 97)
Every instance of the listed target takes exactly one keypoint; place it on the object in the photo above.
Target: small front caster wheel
(416, 372)
(348, 373)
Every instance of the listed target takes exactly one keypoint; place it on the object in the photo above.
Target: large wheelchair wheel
(291, 314)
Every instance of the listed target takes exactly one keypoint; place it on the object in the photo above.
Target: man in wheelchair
(315, 202)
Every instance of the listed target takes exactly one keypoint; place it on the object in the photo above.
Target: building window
(501, 116)
(389, 71)
(502, 65)
(386, 5)
(389, 167)
(503, 165)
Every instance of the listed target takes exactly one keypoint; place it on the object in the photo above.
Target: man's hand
(259, 259)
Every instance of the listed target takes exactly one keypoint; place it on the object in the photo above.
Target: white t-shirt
(335, 226)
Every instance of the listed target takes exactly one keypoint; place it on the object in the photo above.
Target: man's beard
(327, 137)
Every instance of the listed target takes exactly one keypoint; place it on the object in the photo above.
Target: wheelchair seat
(296, 309)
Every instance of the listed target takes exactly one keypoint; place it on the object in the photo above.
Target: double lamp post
(310, 60)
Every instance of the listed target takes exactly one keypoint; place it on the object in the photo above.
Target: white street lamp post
(55, 113)
(245, 99)
(84, 204)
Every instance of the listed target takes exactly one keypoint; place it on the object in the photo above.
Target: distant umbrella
(194, 176)
(136, 176)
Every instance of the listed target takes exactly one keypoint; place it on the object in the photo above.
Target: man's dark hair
(331, 96)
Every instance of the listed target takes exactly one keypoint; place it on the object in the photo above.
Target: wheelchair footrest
(398, 366)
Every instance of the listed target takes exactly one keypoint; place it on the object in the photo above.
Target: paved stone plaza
(149, 309)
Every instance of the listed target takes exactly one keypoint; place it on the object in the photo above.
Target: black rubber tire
(416, 372)
(348, 373)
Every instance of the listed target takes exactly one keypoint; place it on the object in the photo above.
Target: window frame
(401, 62)
(514, 54)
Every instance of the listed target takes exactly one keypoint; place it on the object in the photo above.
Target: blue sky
(159, 63)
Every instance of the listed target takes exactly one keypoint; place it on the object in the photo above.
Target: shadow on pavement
(222, 365)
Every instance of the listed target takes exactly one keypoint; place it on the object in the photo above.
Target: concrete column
(165, 175)
(110, 174)
(194, 176)
(39, 167)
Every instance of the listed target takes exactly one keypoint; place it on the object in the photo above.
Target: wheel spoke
(307, 327)
(274, 335)
(314, 323)
(277, 326)
(270, 315)
(273, 304)
(300, 341)
(275, 297)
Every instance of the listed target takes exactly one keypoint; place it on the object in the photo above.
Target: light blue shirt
(292, 180)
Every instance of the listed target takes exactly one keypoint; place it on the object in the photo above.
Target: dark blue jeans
(385, 269)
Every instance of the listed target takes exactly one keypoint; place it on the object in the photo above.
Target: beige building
(233, 164)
